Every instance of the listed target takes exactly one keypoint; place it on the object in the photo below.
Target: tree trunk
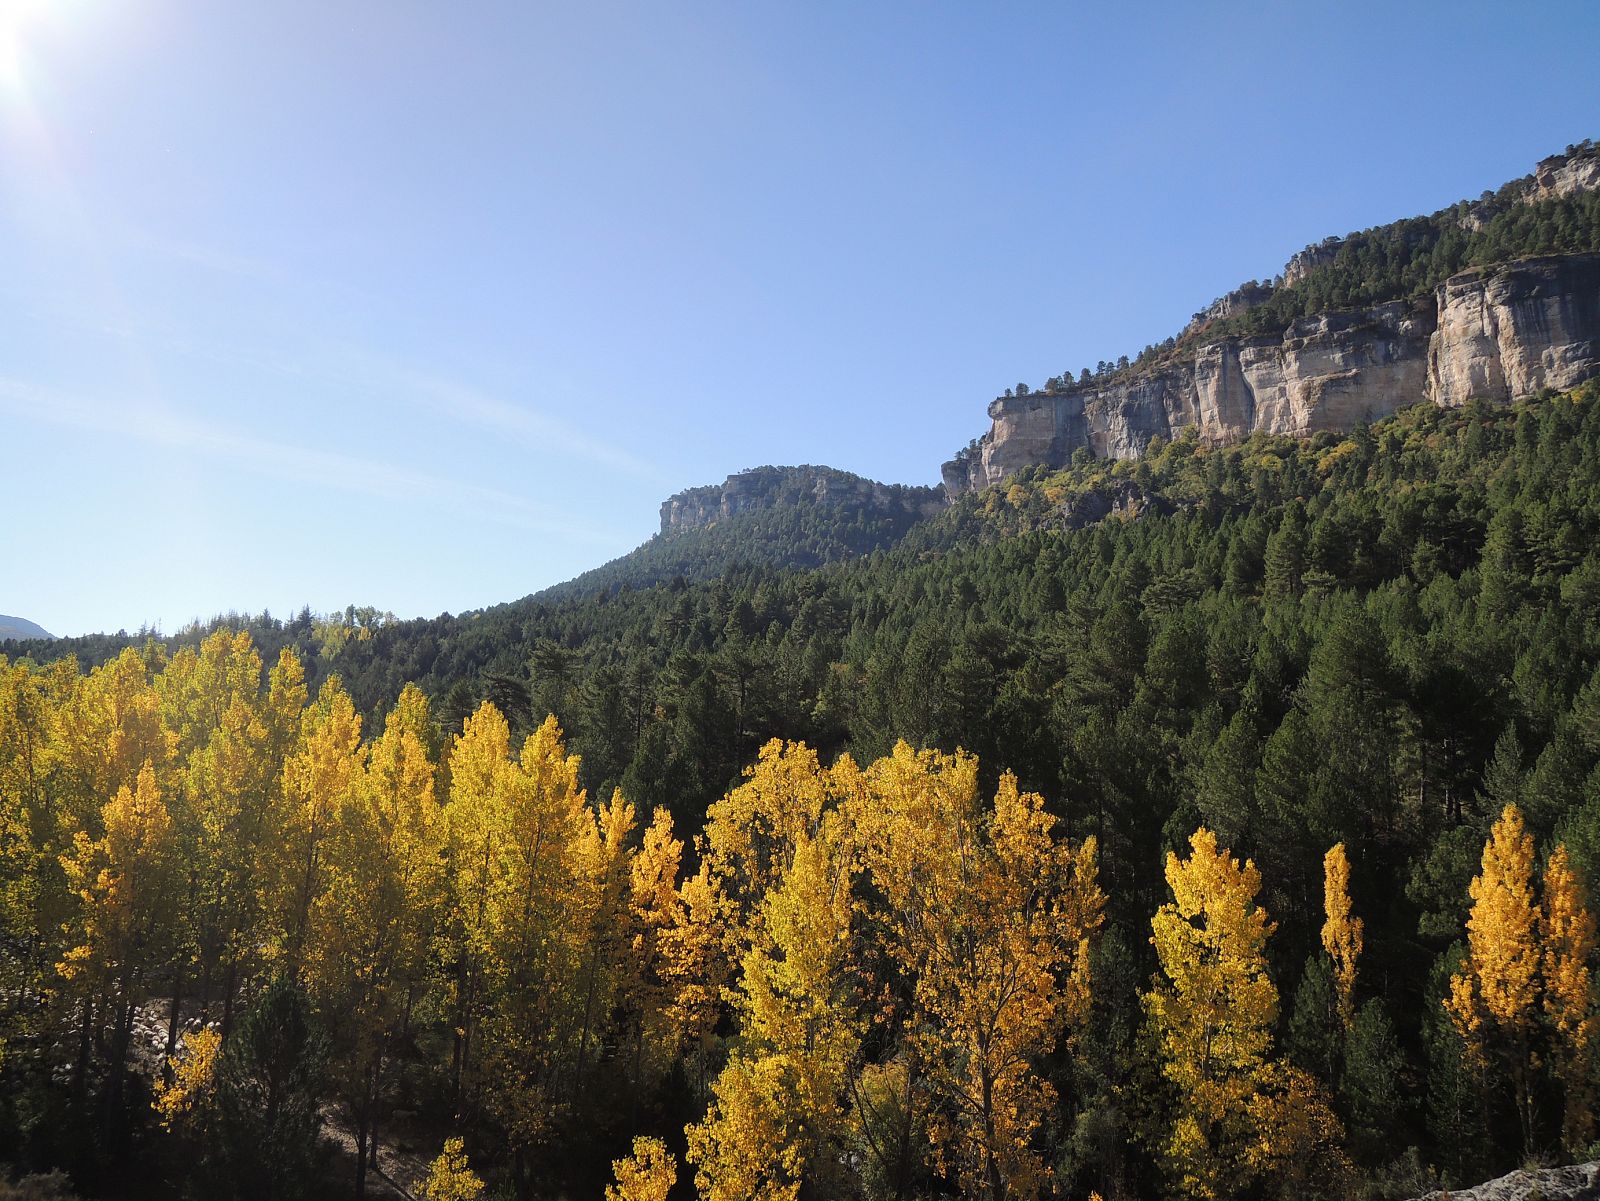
(904, 1165)
(361, 1155)
(80, 1074)
(1524, 1098)
(997, 1186)
(374, 1076)
(173, 1018)
(588, 1019)
(227, 997)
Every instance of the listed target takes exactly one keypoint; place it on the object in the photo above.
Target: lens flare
(21, 21)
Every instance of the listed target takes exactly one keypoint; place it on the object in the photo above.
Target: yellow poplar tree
(695, 968)
(230, 743)
(604, 870)
(1493, 999)
(646, 1175)
(1240, 1116)
(318, 776)
(199, 685)
(1341, 934)
(751, 833)
(34, 904)
(230, 785)
(655, 908)
(991, 916)
(193, 1078)
(124, 884)
(370, 926)
(111, 727)
(481, 772)
(776, 1119)
(519, 829)
(1567, 938)
(450, 1178)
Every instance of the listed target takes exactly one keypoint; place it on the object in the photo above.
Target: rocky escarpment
(1499, 333)
(1578, 170)
(1507, 332)
(1241, 300)
(766, 487)
(1253, 361)
(1325, 372)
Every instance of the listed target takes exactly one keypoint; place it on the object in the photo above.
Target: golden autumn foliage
(380, 886)
(747, 1149)
(450, 1177)
(694, 968)
(654, 909)
(1499, 983)
(751, 833)
(319, 776)
(1341, 933)
(124, 884)
(1527, 981)
(1493, 998)
(978, 919)
(193, 1078)
(1240, 1114)
(996, 915)
(1567, 937)
(646, 1175)
(517, 828)
(779, 1103)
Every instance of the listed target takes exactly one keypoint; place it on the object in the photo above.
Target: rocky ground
(1578, 1183)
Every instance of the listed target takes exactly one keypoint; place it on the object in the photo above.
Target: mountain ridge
(21, 629)
(1498, 298)
(800, 517)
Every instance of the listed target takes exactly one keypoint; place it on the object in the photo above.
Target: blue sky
(427, 305)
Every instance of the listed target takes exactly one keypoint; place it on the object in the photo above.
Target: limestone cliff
(1326, 372)
(1500, 332)
(765, 487)
(1578, 170)
(1509, 331)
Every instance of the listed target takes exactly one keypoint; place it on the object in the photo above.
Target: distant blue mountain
(21, 627)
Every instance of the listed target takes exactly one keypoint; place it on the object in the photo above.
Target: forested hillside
(21, 627)
(767, 516)
(1289, 892)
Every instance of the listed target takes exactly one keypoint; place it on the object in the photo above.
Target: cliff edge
(1499, 331)
(768, 487)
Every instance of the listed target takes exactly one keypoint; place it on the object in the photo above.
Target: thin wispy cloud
(214, 259)
(291, 462)
(436, 395)
(465, 404)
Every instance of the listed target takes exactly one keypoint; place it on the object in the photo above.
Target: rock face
(1579, 1183)
(1564, 174)
(1240, 300)
(1510, 331)
(1326, 372)
(763, 487)
(1306, 261)
(1500, 333)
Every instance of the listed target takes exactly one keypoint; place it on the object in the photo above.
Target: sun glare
(20, 22)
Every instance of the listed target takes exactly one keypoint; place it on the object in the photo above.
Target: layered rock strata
(1507, 332)
(763, 487)
(1499, 333)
